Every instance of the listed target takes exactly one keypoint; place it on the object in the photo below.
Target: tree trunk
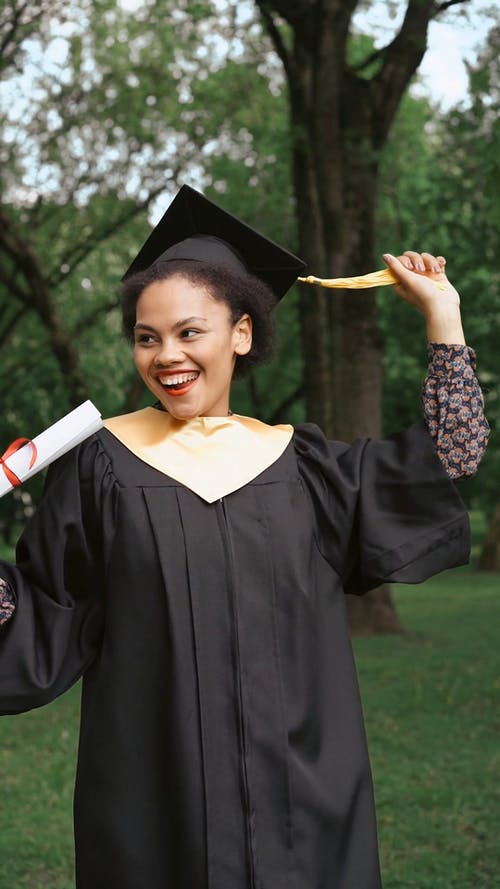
(339, 123)
(373, 613)
(341, 344)
(340, 334)
(489, 560)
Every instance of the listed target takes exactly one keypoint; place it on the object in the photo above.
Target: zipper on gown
(226, 541)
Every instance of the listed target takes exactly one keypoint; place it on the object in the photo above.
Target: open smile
(178, 383)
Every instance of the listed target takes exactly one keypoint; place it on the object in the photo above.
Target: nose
(169, 353)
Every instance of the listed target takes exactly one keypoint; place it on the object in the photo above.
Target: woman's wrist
(445, 326)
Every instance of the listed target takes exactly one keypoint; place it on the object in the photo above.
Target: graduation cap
(194, 228)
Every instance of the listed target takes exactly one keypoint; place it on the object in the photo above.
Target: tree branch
(383, 51)
(275, 35)
(14, 25)
(16, 30)
(82, 248)
(86, 321)
(376, 54)
(9, 281)
(401, 59)
(293, 11)
(446, 5)
(10, 326)
(37, 298)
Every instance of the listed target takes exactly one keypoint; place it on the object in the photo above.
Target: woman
(192, 564)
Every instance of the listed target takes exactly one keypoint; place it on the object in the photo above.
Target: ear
(242, 335)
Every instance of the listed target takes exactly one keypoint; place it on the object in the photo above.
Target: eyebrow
(181, 323)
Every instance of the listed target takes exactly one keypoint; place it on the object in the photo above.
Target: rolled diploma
(68, 432)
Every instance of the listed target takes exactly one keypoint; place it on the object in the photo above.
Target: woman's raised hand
(419, 273)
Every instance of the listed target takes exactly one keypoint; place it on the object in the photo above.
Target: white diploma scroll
(68, 432)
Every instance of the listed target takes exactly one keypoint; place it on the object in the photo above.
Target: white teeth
(176, 379)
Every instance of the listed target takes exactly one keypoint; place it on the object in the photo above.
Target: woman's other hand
(418, 274)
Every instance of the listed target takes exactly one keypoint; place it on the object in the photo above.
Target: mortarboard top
(195, 228)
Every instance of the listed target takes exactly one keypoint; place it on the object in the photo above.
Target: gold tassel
(373, 279)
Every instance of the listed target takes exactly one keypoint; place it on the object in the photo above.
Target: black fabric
(193, 227)
(204, 248)
(222, 743)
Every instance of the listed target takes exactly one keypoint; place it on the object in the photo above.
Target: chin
(181, 412)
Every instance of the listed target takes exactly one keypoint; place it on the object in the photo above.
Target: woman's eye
(144, 339)
(189, 332)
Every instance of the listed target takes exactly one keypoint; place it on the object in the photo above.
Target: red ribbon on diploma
(15, 446)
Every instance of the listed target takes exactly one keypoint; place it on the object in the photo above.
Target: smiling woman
(186, 347)
(192, 565)
(242, 293)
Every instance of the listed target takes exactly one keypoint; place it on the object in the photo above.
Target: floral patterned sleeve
(453, 408)
(7, 606)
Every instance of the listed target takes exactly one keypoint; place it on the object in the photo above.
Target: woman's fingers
(406, 261)
(416, 261)
(422, 262)
(431, 263)
(395, 263)
(423, 282)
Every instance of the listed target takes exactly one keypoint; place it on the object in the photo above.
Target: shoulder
(83, 463)
(309, 440)
(408, 453)
(329, 467)
(311, 444)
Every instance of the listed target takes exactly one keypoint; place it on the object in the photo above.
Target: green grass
(37, 766)
(431, 701)
(432, 710)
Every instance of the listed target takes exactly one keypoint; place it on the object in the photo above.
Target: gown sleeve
(384, 510)
(52, 607)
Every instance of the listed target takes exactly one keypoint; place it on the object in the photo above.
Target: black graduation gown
(222, 743)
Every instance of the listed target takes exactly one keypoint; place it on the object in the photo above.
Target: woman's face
(186, 347)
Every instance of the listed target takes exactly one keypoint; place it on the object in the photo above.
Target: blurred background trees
(300, 124)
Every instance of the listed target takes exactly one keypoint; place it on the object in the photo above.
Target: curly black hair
(244, 294)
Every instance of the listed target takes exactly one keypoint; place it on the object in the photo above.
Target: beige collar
(212, 456)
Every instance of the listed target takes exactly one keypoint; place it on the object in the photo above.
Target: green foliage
(439, 190)
(132, 109)
(190, 92)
